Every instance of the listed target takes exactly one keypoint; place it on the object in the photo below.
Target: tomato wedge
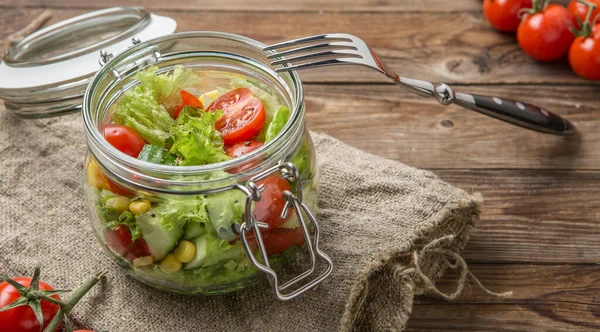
(268, 209)
(244, 115)
(187, 99)
(119, 241)
(124, 139)
(240, 149)
(281, 239)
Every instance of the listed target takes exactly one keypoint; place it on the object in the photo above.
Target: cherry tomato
(22, 319)
(244, 115)
(504, 14)
(240, 149)
(546, 35)
(281, 239)
(119, 241)
(268, 209)
(124, 139)
(584, 55)
(119, 189)
(580, 10)
(187, 99)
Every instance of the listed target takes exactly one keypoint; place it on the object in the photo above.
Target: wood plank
(546, 298)
(548, 216)
(269, 5)
(457, 48)
(397, 125)
(266, 5)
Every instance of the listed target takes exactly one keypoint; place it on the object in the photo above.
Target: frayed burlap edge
(383, 292)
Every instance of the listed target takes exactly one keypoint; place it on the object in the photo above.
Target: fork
(344, 49)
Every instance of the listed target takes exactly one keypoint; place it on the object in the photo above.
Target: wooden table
(539, 234)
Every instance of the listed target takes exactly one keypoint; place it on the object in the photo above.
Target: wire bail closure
(289, 172)
(155, 56)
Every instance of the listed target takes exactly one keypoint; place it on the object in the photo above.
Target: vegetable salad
(187, 118)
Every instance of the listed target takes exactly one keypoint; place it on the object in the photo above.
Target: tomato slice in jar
(187, 99)
(272, 201)
(243, 115)
(281, 239)
(119, 241)
(239, 149)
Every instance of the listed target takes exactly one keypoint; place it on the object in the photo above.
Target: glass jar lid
(46, 73)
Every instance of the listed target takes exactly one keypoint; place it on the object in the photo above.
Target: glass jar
(197, 229)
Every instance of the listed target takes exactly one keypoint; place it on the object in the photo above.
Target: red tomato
(119, 189)
(244, 115)
(281, 239)
(252, 239)
(504, 14)
(120, 242)
(22, 319)
(584, 55)
(580, 10)
(268, 209)
(546, 36)
(187, 99)
(124, 139)
(241, 149)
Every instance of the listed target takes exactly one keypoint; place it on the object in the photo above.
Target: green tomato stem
(66, 307)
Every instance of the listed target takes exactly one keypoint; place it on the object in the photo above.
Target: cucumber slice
(198, 260)
(160, 240)
(211, 250)
(193, 230)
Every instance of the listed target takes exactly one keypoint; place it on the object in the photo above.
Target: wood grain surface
(538, 235)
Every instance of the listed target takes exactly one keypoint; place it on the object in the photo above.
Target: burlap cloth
(376, 217)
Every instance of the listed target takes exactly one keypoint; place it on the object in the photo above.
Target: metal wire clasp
(289, 172)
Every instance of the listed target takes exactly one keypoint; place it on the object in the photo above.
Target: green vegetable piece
(196, 140)
(281, 117)
(224, 210)
(184, 211)
(211, 250)
(145, 107)
(157, 155)
(161, 239)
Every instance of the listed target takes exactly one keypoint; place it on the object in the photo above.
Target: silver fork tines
(344, 49)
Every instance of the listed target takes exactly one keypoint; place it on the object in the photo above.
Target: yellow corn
(143, 261)
(95, 177)
(119, 203)
(185, 251)
(170, 264)
(139, 207)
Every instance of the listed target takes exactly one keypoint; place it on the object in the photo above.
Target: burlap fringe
(435, 247)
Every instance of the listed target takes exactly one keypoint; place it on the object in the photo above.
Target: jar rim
(119, 158)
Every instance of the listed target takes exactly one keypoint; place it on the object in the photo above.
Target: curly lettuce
(196, 140)
(145, 108)
(224, 210)
(281, 117)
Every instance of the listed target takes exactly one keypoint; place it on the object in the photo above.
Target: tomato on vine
(545, 33)
(584, 55)
(504, 15)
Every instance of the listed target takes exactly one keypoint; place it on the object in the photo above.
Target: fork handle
(515, 112)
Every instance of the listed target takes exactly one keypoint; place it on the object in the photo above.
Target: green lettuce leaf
(166, 87)
(157, 155)
(184, 210)
(139, 109)
(195, 138)
(280, 118)
(145, 107)
(224, 210)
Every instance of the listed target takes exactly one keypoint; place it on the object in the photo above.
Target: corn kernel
(143, 261)
(95, 177)
(170, 264)
(139, 207)
(185, 252)
(119, 203)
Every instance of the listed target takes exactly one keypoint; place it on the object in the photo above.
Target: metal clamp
(105, 57)
(289, 172)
